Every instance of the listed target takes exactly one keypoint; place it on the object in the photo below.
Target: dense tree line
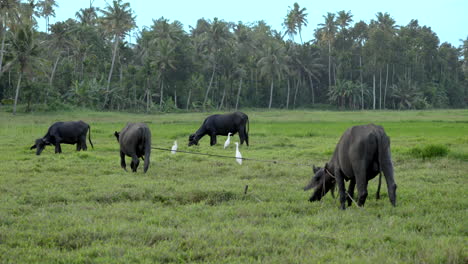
(87, 62)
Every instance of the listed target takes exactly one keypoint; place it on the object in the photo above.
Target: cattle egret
(238, 154)
(228, 140)
(174, 148)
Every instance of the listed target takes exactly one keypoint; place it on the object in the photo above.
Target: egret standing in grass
(174, 148)
(238, 154)
(228, 140)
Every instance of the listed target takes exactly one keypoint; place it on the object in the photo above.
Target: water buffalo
(135, 142)
(73, 132)
(222, 125)
(361, 154)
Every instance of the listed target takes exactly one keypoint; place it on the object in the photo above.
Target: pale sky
(448, 18)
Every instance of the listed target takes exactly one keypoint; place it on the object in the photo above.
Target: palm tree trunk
(114, 52)
(222, 98)
(271, 94)
(373, 90)
(334, 73)
(209, 85)
(175, 97)
(295, 94)
(161, 101)
(147, 92)
(312, 89)
(188, 98)
(51, 80)
(17, 92)
(2, 51)
(287, 96)
(386, 85)
(329, 64)
(380, 88)
(362, 86)
(238, 93)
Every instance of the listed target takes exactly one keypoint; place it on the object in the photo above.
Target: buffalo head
(40, 145)
(193, 140)
(322, 181)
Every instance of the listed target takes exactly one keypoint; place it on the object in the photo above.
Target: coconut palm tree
(290, 25)
(164, 61)
(25, 51)
(212, 42)
(8, 13)
(326, 32)
(272, 65)
(87, 16)
(117, 20)
(46, 9)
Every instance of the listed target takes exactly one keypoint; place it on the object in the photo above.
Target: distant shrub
(429, 151)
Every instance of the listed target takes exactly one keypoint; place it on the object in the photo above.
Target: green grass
(81, 207)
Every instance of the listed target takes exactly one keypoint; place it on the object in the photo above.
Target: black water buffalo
(221, 125)
(361, 154)
(135, 142)
(73, 132)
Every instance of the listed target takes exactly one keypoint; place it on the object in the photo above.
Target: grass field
(81, 207)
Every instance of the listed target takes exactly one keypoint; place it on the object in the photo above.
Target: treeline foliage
(87, 62)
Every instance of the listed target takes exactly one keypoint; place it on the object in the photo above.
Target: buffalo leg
(122, 161)
(242, 135)
(135, 162)
(387, 168)
(341, 188)
(377, 194)
(83, 143)
(58, 148)
(243, 130)
(246, 137)
(351, 191)
(361, 183)
(212, 139)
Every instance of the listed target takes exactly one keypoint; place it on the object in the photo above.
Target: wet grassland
(81, 207)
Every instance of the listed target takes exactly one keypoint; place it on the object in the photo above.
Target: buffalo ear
(116, 134)
(33, 146)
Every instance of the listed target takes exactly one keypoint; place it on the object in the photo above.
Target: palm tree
(300, 18)
(327, 32)
(272, 65)
(46, 8)
(87, 16)
(8, 10)
(381, 32)
(360, 34)
(295, 20)
(117, 20)
(212, 42)
(24, 51)
(343, 19)
(290, 25)
(164, 61)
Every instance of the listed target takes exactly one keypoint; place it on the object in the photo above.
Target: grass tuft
(429, 151)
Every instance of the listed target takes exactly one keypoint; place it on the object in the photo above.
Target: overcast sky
(448, 18)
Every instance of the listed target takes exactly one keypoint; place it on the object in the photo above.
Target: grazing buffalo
(135, 142)
(222, 125)
(64, 132)
(361, 154)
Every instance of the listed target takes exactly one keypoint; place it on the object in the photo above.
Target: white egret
(228, 140)
(238, 154)
(174, 148)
